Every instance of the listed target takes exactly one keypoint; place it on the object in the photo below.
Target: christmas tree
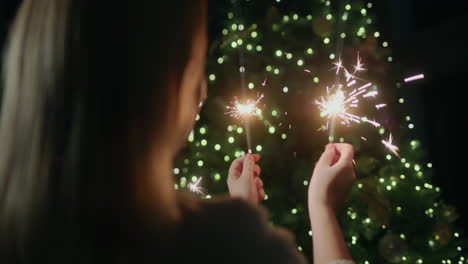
(288, 52)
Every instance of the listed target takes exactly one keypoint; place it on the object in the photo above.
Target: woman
(99, 97)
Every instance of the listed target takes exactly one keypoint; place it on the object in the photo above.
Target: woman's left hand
(244, 179)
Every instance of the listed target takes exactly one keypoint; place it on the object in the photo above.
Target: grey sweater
(232, 231)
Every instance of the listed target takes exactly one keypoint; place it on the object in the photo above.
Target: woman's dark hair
(88, 84)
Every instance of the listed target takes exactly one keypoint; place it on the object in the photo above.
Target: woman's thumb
(327, 156)
(248, 166)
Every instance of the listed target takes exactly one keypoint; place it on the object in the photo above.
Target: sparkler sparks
(372, 122)
(196, 188)
(414, 78)
(358, 67)
(249, 108)
(380, 106)
(389, 145)
(338, 65)
(340, 99)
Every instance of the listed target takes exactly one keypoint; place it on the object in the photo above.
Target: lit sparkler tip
(249, 108)
(414, 78)
(196, 188)
(389, 145)
(342, 98)
(264, 82)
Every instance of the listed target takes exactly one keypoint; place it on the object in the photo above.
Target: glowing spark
(338, 65)
(264, 82)
(196, 188)
(238, 109)
(358, 67)
(363, 138)
(306, 70)
(380, 106)
(351, 83)
(392, 148)
(414, 78)
(372, 123)
(371, 94)
(364, 86)
(348, 75)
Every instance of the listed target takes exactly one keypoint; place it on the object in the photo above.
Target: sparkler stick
(247, 134)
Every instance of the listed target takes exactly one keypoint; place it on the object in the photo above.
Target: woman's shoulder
(222, 208)
(232, 225)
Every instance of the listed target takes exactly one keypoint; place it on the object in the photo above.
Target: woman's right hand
(333, 178)
(244, 179)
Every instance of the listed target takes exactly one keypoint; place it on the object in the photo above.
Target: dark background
(430, 37)
(426, 36)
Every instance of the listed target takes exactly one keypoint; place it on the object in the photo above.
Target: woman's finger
(248, 166)
(346, 153)
(327, 157)
(259, 183)
(261, 194)
(260, 190)
(236, 167)
(256, 157)
(257, 170)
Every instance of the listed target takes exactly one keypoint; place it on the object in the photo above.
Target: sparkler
(249, 108)
(389, 145)
(341, 99)
(238, 109)
(196, 188)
